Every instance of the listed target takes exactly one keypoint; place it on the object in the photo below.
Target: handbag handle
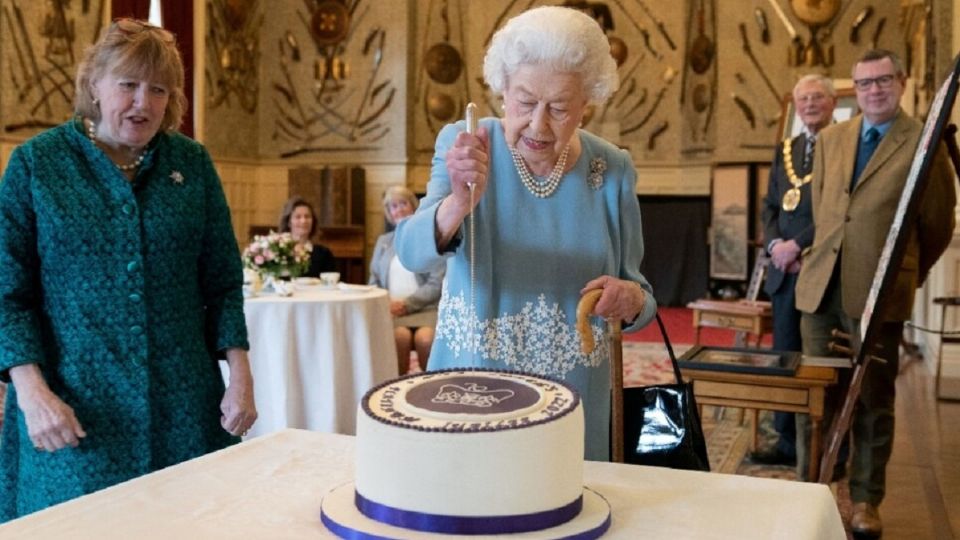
(673, 357)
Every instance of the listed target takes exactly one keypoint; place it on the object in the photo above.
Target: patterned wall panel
(333, 81)
(41, 44)
(451, 37)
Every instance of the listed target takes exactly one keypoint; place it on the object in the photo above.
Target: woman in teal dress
(120, 287)
(554, 214)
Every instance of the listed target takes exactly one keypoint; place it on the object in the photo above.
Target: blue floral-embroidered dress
(122, 293)
(531, 258)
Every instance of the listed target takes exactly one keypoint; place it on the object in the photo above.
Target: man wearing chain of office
(788, 230)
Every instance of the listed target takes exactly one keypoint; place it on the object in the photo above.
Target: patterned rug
(727, 430)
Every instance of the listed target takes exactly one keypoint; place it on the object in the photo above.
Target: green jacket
(123, 293)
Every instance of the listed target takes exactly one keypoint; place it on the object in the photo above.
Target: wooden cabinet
(338, 194)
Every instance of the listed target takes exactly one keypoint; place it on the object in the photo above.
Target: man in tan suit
(860, 167)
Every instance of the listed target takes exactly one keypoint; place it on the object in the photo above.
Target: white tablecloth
(271, 487)
(314, 355)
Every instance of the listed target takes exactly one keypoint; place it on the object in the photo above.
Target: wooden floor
(923, 477)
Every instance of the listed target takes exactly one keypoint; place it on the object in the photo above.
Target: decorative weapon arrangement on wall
(41, 60)
(233, 52)
(816, 15)
(338, 112)
(442, 86)
(641, 43)
(699, 76)
(865, 23)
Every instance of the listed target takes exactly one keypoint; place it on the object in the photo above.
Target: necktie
(868, 144)
(808, 152)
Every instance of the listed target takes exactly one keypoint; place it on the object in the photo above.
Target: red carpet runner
(679, 323)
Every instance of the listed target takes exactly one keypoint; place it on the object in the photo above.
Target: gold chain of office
(791, 199)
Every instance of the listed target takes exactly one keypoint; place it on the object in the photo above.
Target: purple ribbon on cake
(438, 523)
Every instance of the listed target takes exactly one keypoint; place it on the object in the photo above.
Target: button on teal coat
(122, 294)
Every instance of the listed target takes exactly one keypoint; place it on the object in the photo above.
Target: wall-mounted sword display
(858, 22)
(762, 25)
(644, 33)
(336, 110)
(657, 131)
(233, 51)
(658, 23)
(795, 49)
(702, 50)
(39, 60)
(769, 119)
(816, 15)
(875, 40)
(668, 75)
(646, 118)
(746, 110)
(755, 62)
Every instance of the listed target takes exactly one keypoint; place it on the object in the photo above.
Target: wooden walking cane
(587, 344)
(616, 389)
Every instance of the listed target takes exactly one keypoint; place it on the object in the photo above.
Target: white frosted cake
(468, 452)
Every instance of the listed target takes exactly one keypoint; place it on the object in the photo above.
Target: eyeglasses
(883, 81)
(133, 26)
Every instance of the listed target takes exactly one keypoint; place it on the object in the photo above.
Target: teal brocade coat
(122, 293)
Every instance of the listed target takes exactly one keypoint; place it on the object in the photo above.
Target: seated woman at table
(299, 219)
(120, 287)
(413, 296)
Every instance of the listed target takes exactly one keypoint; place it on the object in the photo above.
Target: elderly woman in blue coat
(552, 214)
(120, 287)
(413, 296)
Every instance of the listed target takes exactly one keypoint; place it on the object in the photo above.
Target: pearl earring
(96, 102)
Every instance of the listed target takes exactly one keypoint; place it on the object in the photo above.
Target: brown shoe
(865, 522)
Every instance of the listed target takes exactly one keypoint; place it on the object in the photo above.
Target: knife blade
(762, 23)
(745, 108)
(858, 22)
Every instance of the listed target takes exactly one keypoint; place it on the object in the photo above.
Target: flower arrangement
(277, 255)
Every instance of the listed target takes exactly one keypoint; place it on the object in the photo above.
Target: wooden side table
(802, 393)
(749, 316)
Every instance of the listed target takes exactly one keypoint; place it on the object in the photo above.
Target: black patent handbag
(662, 424)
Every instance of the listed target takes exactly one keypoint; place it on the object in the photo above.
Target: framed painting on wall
(729, 222)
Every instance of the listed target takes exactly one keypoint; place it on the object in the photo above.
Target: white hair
(825, 82)
(564, 39)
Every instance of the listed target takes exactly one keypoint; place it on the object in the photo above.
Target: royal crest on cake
(485, 452)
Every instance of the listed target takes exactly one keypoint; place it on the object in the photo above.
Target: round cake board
(340, 515)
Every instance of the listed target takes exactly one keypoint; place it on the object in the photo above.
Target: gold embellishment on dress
(791, 199)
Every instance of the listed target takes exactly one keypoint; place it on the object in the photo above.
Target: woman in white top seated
(413, 296)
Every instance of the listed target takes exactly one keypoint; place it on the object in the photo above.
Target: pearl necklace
(92, 135)
(540, 188)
